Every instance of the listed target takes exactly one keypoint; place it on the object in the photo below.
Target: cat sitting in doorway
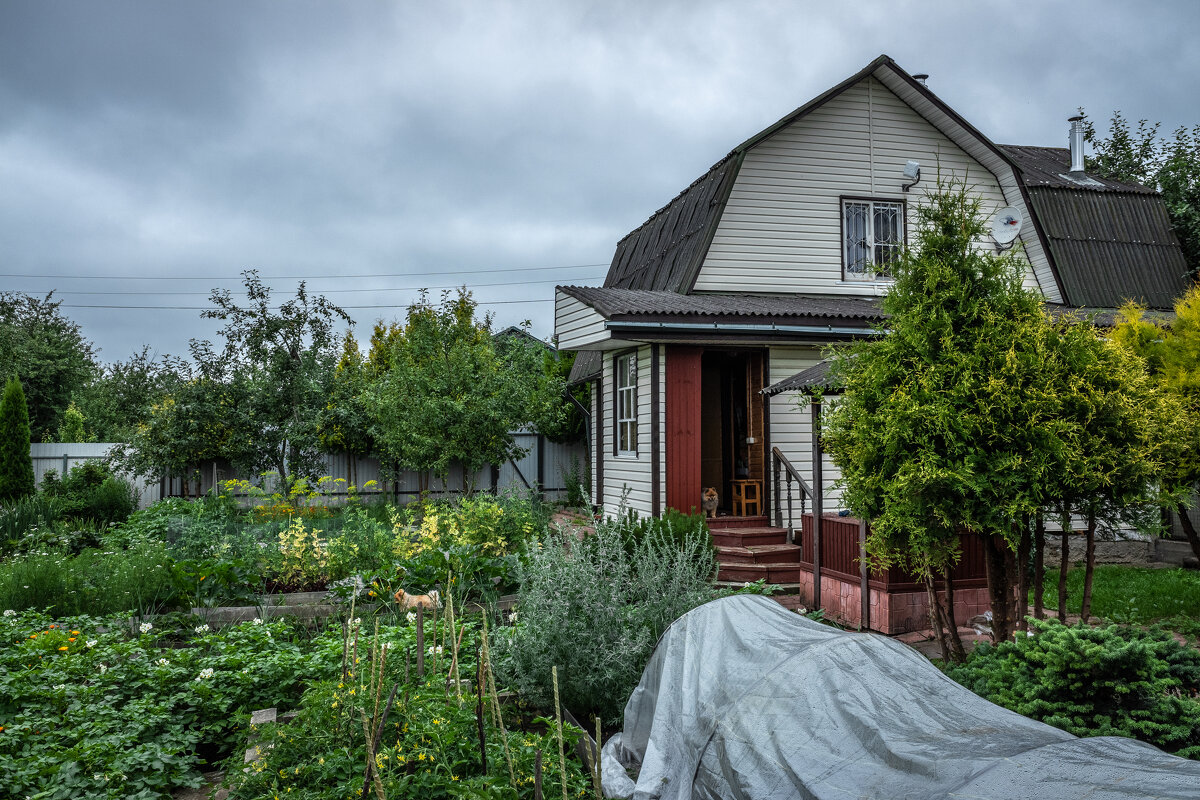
(708, 501)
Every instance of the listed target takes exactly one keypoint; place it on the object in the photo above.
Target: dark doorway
(731, 421)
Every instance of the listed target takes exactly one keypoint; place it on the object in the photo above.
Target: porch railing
(782, 468)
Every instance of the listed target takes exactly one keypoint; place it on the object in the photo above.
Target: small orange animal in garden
(709, 501)
(406, 600)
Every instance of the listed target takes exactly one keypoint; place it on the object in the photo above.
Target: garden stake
(596, 762)
(562, 758)
(454, 666)
(479, 709)
(498, 717)
(537, 775)
(420, 641)
(373, 748)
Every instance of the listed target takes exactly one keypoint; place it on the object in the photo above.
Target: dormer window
(872, 238)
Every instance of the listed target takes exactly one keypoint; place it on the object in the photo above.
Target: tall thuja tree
(283, 360)
(1172, 356)
(346, 421)
(449, 394)
(945, 425)
(16, 462)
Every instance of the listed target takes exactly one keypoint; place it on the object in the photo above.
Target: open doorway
(732, 445)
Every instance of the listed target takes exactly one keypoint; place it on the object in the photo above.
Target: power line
(323, 291)
(207, 308)
(301, 277)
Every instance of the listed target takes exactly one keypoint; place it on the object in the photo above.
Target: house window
(873, 235)
(626, 416)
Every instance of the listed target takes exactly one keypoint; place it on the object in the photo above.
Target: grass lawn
(1135, 595)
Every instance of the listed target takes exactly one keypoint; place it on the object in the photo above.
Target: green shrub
(16, 462)
(91, 492)
(22, 520)
(594, 607)
(1108, 681)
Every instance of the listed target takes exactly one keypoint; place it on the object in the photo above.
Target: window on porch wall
(627, 401)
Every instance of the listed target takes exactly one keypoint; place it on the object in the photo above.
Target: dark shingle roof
(1051, 167)
(666, 250)
(587, 366)
(815, 377)
(1110, 241)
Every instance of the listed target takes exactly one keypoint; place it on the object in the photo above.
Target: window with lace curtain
(872, 238)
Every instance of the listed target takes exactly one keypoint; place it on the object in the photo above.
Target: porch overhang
(592, 318)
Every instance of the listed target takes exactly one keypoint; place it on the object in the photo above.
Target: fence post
(818, 501)
(864, 575)
(775, 492)
(64, 469)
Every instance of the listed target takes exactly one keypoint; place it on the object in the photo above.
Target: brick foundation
(891, 612)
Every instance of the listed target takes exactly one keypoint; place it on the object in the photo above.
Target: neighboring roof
(643, 304)
(815, 377)
(520, 333)
(1111, 241)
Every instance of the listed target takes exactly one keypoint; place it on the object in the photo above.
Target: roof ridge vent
(1076, 142)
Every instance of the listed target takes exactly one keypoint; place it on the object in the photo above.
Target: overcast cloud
(413, 140)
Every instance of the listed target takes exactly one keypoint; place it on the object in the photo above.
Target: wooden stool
(747, 499)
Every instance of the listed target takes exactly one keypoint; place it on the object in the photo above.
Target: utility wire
(134, 292)
(207, 308)
(301, 277)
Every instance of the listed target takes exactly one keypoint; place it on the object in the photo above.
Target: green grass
(1134, 595)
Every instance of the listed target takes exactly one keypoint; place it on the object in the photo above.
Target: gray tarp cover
(744, 699)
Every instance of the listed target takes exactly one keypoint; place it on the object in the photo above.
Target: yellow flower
(420, 756)
(62, 648)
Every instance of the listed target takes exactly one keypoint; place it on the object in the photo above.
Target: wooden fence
(545, 465)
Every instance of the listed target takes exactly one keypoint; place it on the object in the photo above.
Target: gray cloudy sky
(434, 144)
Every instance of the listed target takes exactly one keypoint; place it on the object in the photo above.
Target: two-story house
(713, 306)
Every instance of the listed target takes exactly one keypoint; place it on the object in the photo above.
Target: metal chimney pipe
(1076, 143)
(921, 78)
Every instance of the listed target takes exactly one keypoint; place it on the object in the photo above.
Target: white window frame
(625, 406)
(876, 250)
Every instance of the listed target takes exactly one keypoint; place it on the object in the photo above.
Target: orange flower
(75, 633)
(63, 647)
(53, 626)
(71, 639)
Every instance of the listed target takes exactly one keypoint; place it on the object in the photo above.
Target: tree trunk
(1189, 530)
(1064, 562)
(935, 615)
(1039, 566)
(1023, 547)
(998, 560)
(959, 655)
(1089, 568)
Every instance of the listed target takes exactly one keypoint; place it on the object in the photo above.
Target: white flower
(512, 617)
(162, 662)
(59, 686)
(145, 627)
(437, 650)
(8, 612)
(103, 669)
(203, 628)
(356, 621)
(257, 621)
(97, 776)
(410, 616)
(205, 674)
(92, 642)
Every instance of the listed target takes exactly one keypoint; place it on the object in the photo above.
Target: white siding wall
(629, 478)
(791, 421)
(576, 324)
(781, 230)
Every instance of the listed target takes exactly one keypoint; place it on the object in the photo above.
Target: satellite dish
(1006, 225)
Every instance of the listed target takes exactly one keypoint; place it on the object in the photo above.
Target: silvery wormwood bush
(595, 607)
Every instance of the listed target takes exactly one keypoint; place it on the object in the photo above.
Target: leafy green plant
(594, 606)
(21, 520)
(16, 464)
(91, 491)
(1109, 681)
(92, 709)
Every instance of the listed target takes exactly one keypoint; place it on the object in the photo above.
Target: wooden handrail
(779, 456)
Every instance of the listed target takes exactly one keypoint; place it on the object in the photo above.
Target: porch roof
(653, 305)
(812, 379)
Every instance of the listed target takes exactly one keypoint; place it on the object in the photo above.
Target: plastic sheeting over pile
(743, 699)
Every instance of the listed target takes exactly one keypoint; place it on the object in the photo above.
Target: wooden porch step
(746, 537)
(760, 554)
(748, 573)
(723, 523)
